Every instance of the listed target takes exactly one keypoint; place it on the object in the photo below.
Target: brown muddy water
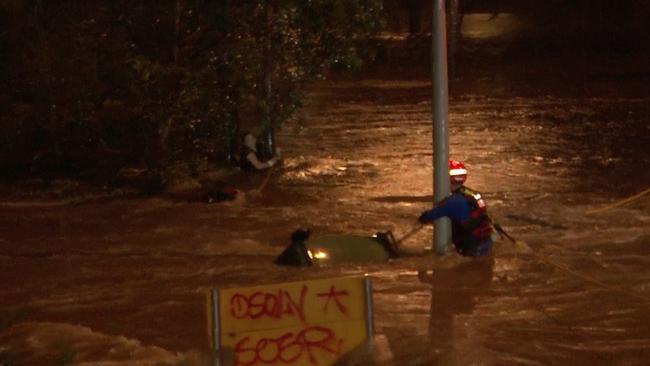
(123, 281)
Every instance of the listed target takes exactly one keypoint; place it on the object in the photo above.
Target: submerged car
(305, 250)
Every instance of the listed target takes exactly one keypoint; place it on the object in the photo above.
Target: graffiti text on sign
(273, 305)
(333, 294)
(288, 348)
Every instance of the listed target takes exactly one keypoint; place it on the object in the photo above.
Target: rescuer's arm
(453, 207)
(433, 214)
(252, 158)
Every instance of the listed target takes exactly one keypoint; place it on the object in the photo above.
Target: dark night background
(163, 88)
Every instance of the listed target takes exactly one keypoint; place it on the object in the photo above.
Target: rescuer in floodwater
(250, 162)
(472, 231)
(250, 159)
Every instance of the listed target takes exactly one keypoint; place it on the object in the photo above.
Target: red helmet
(457, 172)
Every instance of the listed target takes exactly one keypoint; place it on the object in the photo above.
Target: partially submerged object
(307, 251)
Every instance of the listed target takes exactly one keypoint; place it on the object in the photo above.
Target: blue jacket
(471, 226)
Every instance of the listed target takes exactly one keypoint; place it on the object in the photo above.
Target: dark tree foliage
(91, 87)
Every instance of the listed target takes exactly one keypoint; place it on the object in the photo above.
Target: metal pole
(370, 313)
(439, 110)
(216, 340)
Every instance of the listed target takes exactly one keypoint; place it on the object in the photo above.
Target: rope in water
(259, 189)
(409, 234)
(619, 203)
(545, 259)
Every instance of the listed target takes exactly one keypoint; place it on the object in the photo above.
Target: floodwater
(123, 281)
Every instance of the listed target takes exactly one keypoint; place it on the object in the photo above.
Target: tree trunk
(232, 126)
(178, 9)
(415, 23)
(268, 136)
(45, 102)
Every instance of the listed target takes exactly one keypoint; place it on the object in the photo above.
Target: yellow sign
(300, 323)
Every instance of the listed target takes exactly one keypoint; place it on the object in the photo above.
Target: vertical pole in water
(439, 110)
(216, 327)
(370, 313)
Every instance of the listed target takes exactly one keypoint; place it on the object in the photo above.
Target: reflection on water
(454, 291)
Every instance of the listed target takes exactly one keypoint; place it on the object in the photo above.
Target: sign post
(440, 115)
